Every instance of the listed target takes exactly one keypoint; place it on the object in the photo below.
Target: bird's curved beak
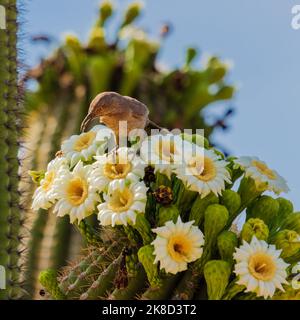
(86, 121)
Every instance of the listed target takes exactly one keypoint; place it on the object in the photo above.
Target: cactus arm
(163, 291)
(134, 287)
(104, 282)
(61, 241)
(101, 260)
(40, 222)
(48, 279)
(10, 218)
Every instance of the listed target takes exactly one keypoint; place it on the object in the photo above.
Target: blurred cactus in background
(71, 77)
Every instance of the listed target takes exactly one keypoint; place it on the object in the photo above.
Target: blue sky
(256, 35)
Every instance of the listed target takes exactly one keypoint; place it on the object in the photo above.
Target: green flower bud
(191, 53)
(285, 208)
(231, 200)
(132, 12)
(215, 219)
(254, 227)
(146, 257)
(106, 10)
(199, 207)
(288, 241)
(265, 208)
(166, 214)
(292, 222)
(227, 242)
(48, 279)
(248, 191)
(216, 274)
(37, 176)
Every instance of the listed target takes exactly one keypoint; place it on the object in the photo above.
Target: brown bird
(111, 107)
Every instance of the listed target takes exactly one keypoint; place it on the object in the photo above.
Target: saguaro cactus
(10, 121)
(72, 76)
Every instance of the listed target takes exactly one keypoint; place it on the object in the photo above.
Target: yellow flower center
(77, 191)
(84, 141)
(48, 180)
(117, 170)
(166, 150)
(204, 170)
(120, 200)
(179, 248)
(262, 266)
(263, 169)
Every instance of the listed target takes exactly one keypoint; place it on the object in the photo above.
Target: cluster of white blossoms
(86, 179)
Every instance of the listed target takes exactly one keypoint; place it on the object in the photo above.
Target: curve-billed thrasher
(111, 107)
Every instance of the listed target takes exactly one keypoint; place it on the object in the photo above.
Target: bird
(111, 108)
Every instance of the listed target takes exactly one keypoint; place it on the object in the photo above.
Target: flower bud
(216, 274)
(265, 208)
(146, 257)
(132, 12)
(227, 242)
(292, 222)
(231, 200)
(254, 227)
(106, 10)
(191, 53)
(288, 241)
(285, 208)
(169, 213)
(199, 207)
(215, 219)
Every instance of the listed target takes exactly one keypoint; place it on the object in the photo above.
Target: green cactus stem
(104, 282)
(39, 225)
(135, 285)
(89, 234)
(142, 225)
(232, 290)
(216, 274)
(48, 279)
(101, 261)
(10, 114)
(146, 257)
(164, 291)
